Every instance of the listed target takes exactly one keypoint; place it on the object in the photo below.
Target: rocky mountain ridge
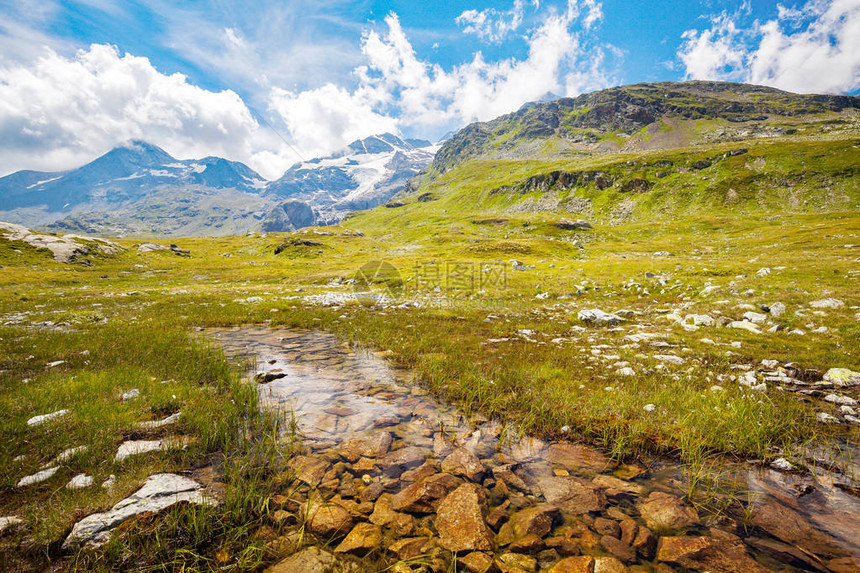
(642, 117)
(140, 189)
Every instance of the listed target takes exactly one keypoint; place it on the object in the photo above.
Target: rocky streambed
(391, 478)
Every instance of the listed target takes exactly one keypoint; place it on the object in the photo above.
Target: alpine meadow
(607, 329)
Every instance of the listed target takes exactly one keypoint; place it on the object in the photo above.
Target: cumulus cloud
(325, 119)
(63, 108)
(814, 48)
(715, 52)
(490, 24)
(396, 89)
(59, 112)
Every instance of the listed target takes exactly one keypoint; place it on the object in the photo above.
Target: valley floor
(701, 340)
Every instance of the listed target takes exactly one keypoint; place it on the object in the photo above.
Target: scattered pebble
(36, 420)
(80, 481)
(38, 477)
(782, 465)
(130, 395)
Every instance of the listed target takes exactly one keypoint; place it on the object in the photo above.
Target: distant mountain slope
(140, 189)
(648, 153)
(639, 117)
(124, 173)
(366, 174)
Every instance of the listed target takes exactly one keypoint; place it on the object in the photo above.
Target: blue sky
(80, 77)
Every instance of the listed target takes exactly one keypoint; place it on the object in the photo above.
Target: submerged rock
(327, 519)
(792, 528)
(426, 495)
(576, 457)
(572, 494)
(535, 520)
(363, 538)
(309, 470)
(314, 560)
(460, 520)
(371, 445)
(578, 564)
(707, 554)
(462, 462)
(665, 512)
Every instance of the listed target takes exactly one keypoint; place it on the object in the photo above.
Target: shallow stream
(344, 399)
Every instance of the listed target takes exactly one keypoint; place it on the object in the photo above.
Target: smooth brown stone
(612, 482)
(530, 543)
(426, 495)
(645, 543)
(665, 512)
(310, 470)
(327, 519)
(460, 520)
(629, 529)
(497, 517)
(609, 565)
(708, 554)
(605, 526)
(410, 547)
(396, 462)
(462, 462)
(364, 538)
(572, 495)
(369, 445)
(476, 562)
(565, 546)
(575, 457)
(423, 471)
(505, 475)
(372, 492)
(787, 554)
(515, 563)
(581, 564)
(535, 520)
(792, 528)
(383, 515)
(618, 548)
(312, 559)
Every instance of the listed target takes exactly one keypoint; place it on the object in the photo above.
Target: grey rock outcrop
(158, 493)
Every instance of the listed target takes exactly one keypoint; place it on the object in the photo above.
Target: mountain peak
(132, 154)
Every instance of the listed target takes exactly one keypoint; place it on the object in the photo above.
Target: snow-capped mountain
(365, 174)
(124, 174)
(140, 189)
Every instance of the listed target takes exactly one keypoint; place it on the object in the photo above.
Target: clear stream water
(336, 391)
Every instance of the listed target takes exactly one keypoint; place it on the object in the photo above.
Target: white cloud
(715, 52)
(398, 90)
(234, 38)
(325, 119)
(490, 24)
(815, 48)
(59, 112)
